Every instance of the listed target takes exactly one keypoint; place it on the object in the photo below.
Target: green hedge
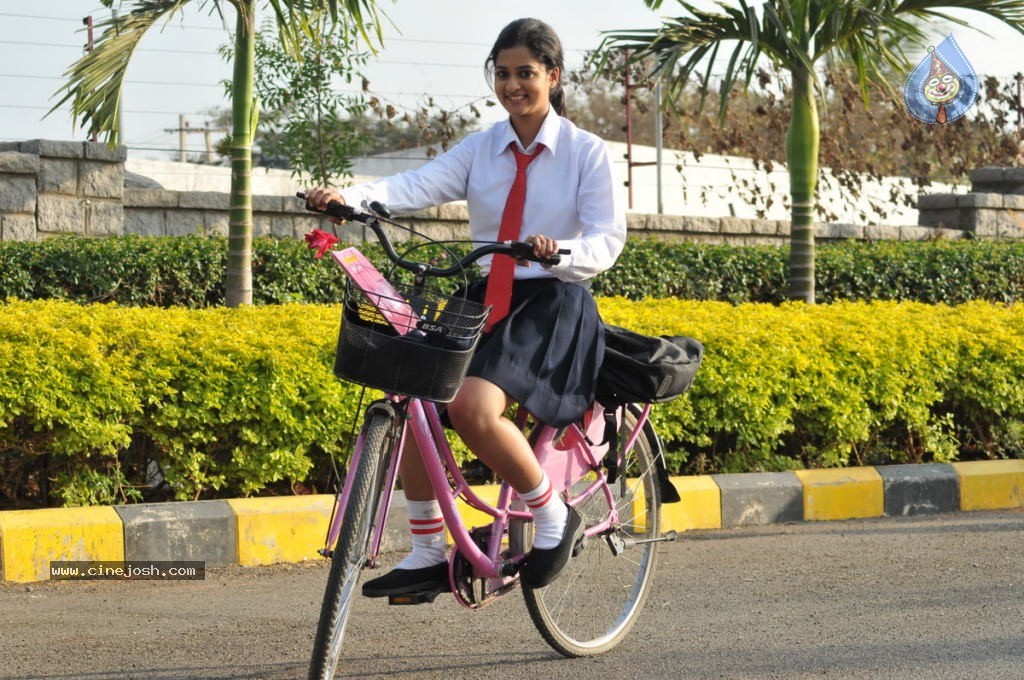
(183, 271)
(224, 401)
(799, 385)
(949, 272)
(188, 271)
(237, 402)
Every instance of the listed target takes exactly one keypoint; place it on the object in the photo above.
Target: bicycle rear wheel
(594, 603)
(352, 547)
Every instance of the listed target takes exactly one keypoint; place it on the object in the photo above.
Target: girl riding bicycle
(544, 342)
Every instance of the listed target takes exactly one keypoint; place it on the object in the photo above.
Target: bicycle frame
(567, 455)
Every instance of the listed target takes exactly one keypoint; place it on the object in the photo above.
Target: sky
(434, 47)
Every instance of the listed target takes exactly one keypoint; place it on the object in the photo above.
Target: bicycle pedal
(422, 597)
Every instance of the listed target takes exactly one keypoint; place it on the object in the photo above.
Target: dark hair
(544, 45)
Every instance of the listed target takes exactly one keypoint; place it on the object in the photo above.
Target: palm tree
(94, 90)
(795, 35)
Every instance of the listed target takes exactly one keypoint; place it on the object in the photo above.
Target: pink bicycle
(415, 344)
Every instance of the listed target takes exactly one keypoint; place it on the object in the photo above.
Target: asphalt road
(936, 598)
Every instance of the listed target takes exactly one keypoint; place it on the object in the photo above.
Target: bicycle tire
(595, 602)
(352, 547)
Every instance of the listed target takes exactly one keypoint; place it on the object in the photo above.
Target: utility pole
(1020, 108)
(1020, 121)
(182, 139)
(120, 108)
(184, 129)
(88, 48)
(658, 134)
(630, 163)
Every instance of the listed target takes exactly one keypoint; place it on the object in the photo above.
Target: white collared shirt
(570, 195)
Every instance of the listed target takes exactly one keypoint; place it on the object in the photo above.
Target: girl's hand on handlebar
(317, 198)
(543, 247)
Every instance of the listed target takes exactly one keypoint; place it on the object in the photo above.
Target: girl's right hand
(317, 198)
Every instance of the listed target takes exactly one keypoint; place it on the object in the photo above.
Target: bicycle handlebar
(521, 250)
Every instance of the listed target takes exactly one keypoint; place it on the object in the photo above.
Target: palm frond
(871, 36)
(1010, 12)
(94, 81)
(684, 44)
(364, 14)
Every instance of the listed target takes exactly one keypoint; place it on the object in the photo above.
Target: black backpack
(644, 369)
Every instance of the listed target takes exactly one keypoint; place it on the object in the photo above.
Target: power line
(127, 82)
(191, 27)
(47, 108)
(79, 47)
(379, 93)
(34, 16)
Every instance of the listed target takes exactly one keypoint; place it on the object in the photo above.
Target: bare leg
(415, 483)
(477, 414)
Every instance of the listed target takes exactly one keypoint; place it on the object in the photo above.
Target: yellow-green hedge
(238, 401)
(829, 385)
(223, 400)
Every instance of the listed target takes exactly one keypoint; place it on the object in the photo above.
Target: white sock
(550, 515)
(427, 528)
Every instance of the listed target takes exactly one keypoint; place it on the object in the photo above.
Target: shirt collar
(547, 135)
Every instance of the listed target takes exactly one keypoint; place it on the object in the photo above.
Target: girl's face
(523, 84)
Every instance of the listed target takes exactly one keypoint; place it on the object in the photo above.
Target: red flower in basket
(320, 241)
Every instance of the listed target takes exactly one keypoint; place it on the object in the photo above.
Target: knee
(467, 416)
(477, 408)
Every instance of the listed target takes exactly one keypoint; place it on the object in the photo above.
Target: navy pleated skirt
(547, 352)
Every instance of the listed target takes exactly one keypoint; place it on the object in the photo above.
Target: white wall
(711, 187)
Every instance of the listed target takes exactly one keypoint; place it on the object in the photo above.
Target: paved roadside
(930, 596)
(262, 531)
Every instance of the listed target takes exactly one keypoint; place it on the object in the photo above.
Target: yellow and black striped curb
(256, 531)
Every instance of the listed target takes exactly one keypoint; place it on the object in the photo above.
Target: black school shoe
(406, 581)
(543, 565)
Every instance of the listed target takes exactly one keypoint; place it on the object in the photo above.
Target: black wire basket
(429, 361)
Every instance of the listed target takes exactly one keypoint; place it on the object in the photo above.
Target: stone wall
(49, 188)
(159, 212)
(994, 208)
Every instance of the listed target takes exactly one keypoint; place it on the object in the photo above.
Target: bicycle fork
(387, 491)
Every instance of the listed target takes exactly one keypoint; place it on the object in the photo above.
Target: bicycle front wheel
(594, 603)
(352, 547)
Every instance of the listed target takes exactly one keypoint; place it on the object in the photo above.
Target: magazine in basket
(377, 290)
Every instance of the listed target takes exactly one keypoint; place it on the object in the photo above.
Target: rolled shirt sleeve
(602, 223)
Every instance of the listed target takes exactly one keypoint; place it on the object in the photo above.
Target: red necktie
(499, 280)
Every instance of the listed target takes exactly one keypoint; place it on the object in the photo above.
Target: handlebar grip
(344, 211)
(334, 208)
(523, 250)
